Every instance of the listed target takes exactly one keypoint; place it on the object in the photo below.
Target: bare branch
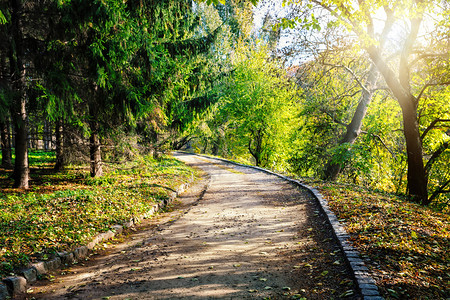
(432, 126)
(435, 156)
(428, 85)
(382, 142)
(350, 72)
(333, 118)
(427, 55)
(440, 190)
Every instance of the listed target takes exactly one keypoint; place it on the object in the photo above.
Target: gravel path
(236, 234)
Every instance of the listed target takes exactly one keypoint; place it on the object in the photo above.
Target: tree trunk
(354, 128)
(36, 137)
(205, 145)
(59, 164)
(95, 151)
(256, 137)
(45, 136)
(6, 145)
(21, 168)
(94, 140)
(417, 181)
(215, 147)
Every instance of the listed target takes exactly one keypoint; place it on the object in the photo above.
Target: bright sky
(396, 37)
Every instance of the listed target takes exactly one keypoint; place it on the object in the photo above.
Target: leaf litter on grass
(41, 221)
(407, 244)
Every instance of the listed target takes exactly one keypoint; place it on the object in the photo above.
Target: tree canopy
(353, 91)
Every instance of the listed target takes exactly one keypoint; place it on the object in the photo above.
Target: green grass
(64, 210)
(41, 158)
(408, 244)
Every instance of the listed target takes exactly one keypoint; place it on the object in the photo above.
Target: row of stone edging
(365, 283)
(13, 285)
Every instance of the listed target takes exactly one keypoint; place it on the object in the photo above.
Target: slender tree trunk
(215, 147)
(4, 120)
(205, 145)
(13, 135)
(256, 151)
(21, 168)
(32, 137)
(36, 137)
(6, 145)
(59, 134)
(45, 136)
(94, 140)
(354, 128)
(95, 151)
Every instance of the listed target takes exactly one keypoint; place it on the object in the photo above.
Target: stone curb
(14, 285)
(364, 282)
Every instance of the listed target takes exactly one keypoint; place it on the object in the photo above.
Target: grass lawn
(407, 244)
(64, 210)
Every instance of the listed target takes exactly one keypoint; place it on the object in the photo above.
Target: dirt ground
(237, 233)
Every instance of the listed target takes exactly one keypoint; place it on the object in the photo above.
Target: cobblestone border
(366, 285)
(14, 285)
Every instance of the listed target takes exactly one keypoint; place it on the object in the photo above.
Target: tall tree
(19, 103)
(5, 105)
(25, 24)
(257, 107)
(359, 18)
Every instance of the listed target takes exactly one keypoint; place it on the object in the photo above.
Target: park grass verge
(407, 245)
(64, 210)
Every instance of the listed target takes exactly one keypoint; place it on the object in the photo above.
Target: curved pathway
(237, 234)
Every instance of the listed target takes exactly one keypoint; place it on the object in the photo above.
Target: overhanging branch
(333, 118)
(444, 146)
(382, 142)
(432, 126)
(428, 85)
(440, 190)
(350, 72)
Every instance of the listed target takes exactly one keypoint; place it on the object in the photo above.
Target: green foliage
(333, 79)
(69, 210)
(256, 110)
(142, 67)
(2, 18)
(217, 2)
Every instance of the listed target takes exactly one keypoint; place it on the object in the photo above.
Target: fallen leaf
(346, 293)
